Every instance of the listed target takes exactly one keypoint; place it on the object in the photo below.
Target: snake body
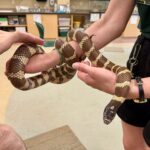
(16, 73)
(64, 72)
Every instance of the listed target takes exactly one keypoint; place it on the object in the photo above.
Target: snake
(64, 71)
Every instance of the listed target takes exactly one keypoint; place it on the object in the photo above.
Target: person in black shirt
(135, 116)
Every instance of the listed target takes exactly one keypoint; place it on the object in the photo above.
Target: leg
(9, 140)
(133, 137)
(146, 133)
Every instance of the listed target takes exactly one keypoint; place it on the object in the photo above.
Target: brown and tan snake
(64, 72)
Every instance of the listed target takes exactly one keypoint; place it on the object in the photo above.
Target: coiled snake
(64, 72)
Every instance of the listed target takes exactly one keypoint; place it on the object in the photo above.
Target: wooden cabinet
(50, 25)
(49, 22)
(31, 25)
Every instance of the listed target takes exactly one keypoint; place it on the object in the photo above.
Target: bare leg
(133, 137)
(9, 140)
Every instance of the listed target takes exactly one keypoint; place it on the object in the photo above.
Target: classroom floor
(73, 104)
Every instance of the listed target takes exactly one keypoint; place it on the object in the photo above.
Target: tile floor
(73, 104)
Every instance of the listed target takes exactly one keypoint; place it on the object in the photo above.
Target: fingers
(35, 39)
(84, 72)
(85, 78)
(6, 67)
(27, 37)
(86, 62)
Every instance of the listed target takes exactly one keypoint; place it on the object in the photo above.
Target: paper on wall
(37, 18)
(22, 29)
(94, 17)
(134, 19)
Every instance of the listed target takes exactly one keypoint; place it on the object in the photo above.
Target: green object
(49, 43)
(41, 33)
(3, 19)
(40, 29)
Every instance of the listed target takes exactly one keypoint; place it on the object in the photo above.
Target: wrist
(134, 90)
(141, 96)
(15, 37)
(52, 59)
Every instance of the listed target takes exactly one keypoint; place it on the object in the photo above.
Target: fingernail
(75, 65)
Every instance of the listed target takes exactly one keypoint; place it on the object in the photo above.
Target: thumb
(83, 67)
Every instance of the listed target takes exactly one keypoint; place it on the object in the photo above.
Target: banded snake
(64, 72)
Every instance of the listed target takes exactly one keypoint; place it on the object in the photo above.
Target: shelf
(13, 25)
(64, 26)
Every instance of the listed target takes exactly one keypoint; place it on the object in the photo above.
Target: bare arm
(100, 78)
(109, 27)
(9, 38)
(105, 30)
(112, 24)
(104, 80)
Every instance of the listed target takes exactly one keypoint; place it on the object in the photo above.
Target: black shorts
(138, 114)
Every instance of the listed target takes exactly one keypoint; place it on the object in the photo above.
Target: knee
(5, 129)
(9, 139)
(133, 144)
(5, 132)
(128, 146)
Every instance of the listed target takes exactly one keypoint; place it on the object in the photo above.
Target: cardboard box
(58, 139)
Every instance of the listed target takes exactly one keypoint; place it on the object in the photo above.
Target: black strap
(140, 86)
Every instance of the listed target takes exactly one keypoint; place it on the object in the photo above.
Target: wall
(94, 5)
(75, 4)
(14, 3)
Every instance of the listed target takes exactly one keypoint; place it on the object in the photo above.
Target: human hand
(9, 38)
(98, 78)
(42, 62)
(45, 61)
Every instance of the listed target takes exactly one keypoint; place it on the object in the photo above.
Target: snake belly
(97, 59)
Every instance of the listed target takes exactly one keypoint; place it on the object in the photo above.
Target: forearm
(112, 23)
(52, 59)
(7, 39)
(109, 87)
(49, 60)
(108, 27)
(104, 32)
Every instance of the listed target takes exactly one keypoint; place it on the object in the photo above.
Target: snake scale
(64, 71)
